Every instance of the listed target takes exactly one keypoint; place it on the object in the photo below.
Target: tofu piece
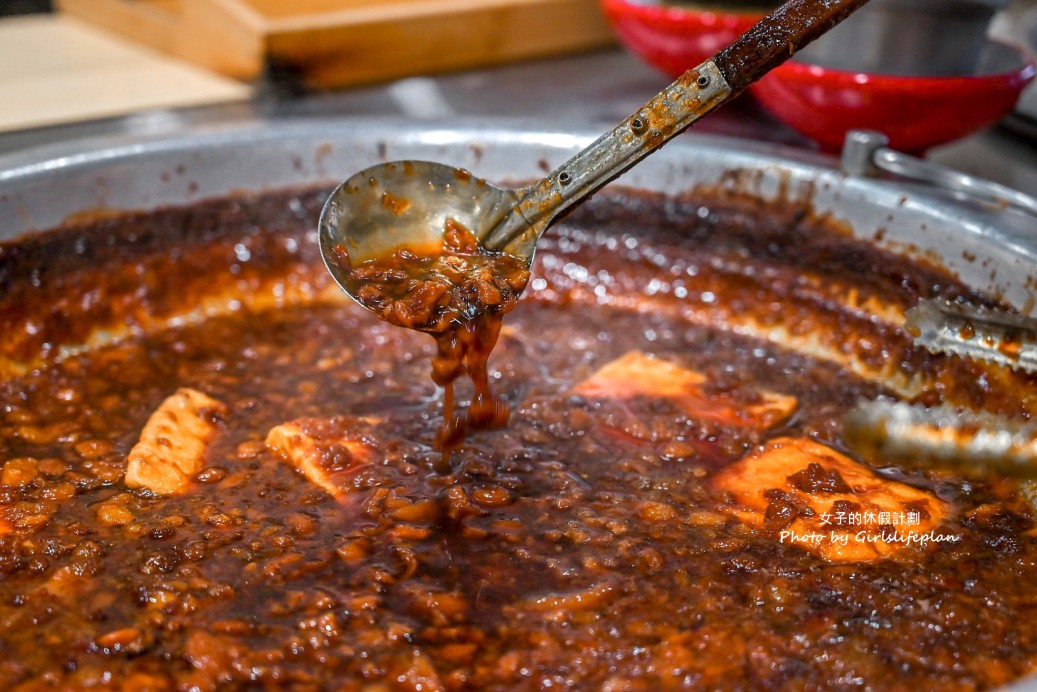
(817, 499)
(637, 374)
(325, 450)
(172, 445)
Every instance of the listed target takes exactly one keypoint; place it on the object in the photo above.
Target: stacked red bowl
(824, 98)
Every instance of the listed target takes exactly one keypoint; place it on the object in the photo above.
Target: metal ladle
(408, 203)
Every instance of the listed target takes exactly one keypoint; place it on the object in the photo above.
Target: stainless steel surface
(866, 153)
(975, 332)
(910, 37)
(973, 441)
(969, 441)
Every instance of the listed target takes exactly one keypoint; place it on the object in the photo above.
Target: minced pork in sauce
(459, 293)
(639, 524)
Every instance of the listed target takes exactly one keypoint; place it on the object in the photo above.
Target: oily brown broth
(459, 293)
(583, 546)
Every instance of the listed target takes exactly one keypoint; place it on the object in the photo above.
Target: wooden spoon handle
(776, 37)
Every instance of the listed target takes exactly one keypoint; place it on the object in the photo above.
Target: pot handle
(866, 153)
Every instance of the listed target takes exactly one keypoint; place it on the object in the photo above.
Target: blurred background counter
(153, 67)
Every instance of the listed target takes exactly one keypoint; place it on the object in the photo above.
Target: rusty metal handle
(776, 37)
(695, 93)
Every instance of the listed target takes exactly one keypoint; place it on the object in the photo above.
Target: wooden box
(333, 43)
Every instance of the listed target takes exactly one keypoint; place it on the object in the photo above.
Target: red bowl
(674, 38)
(914, 112)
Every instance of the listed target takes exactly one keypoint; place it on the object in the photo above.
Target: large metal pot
(991, 250)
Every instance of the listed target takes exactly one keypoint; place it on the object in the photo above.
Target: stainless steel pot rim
(991, 249)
